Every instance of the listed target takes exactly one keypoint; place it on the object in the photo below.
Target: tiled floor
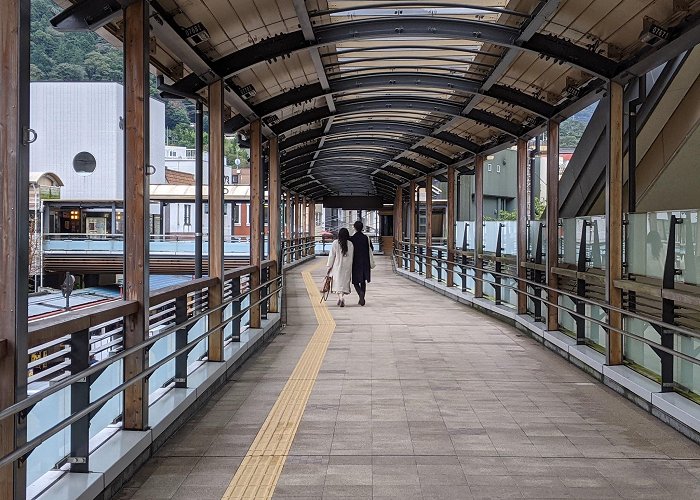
(420, 397)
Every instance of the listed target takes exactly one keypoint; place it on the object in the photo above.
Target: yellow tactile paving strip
(257, 475)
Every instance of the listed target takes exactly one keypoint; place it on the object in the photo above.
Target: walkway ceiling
(366, 95)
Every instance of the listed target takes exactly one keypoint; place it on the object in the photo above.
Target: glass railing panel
(639, 353)
(596, 243)
(569, 240)
(42, 417)
(687, 374)
(533, 233)
(200, 350)
(687, 252)
(647, 242)
(594, 332)
(567, 321)
(162, 348)
(110, 378)
(468, 227)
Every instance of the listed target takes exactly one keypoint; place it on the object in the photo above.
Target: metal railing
(71, 351)
(464, 265)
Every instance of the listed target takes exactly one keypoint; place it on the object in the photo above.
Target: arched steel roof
(391, 91)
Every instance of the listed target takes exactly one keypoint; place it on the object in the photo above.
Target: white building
(80, 137)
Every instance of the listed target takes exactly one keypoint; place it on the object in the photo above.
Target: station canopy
(368, 95)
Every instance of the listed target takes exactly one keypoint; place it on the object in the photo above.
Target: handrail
(543, 286)
(38, 440)
(45, 330)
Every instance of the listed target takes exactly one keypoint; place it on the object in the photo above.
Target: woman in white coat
(340, 265)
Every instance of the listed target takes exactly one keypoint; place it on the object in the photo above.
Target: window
(190, 153)
(206, 208)
(498, 168)
(236, 214)
(188, 215)
(247, 210)
(488, 167)
(84, 163)
(172, 154)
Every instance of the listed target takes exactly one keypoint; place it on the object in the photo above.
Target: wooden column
(288, 225)
(479, 224)
(613, 210)
(552, 220)
(275, 226)
(136, 237)
(216, 216)
(428, 225)
(398, 224)
(256, 223)
(311, 222)
(451, 222)
(14, 231)
(521, 166)
(412, 224)
(297, 224)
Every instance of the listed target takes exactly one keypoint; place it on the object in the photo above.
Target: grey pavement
(421, 397)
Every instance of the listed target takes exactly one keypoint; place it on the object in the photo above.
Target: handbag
(371, 255)
(326, 287)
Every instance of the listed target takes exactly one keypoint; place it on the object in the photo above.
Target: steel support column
(412, 216)
(257, 235)
(613, 211)
(216, 216)
(136, 230)
(479, 225)
(14, 226)
(428, 226)
(522, 165)
(274, 225)
(451, 222)
(552, 221)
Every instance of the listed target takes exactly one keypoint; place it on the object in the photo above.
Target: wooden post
(522, 165)
(216, 216)
(311, 223)
(288, 225)
(412, 225)
(451, 222)
(297, 225)
(479, 225)
(398, 224)
(613, 210)
(136, 237)
(275, 226)
(552, 221)
(256, 224)
(428, 226)
(14, 232)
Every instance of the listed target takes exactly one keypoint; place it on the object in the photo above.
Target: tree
(67, 72)
(540, 208)
(35, 73)
(182, 135)
(175, 114)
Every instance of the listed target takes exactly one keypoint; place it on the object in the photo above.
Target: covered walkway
(413, 396)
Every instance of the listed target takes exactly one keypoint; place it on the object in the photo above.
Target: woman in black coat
(361, 261)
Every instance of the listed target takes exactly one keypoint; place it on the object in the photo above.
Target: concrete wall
(72, 117)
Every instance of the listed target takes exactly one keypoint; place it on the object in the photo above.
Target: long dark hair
(343, 237)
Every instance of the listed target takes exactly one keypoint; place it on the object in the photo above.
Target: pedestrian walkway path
(413, 396)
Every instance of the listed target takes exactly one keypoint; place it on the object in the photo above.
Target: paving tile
(424, 398)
